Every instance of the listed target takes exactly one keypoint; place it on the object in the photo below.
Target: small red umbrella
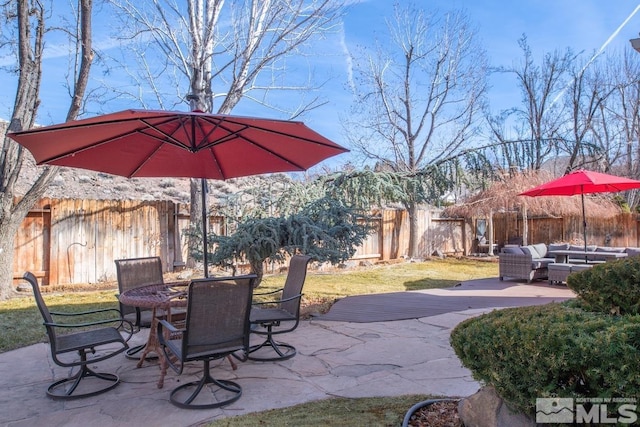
(583, 182)
(148, 143)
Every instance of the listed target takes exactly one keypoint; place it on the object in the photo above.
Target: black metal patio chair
(102, 342)
(281, 315)
(216, 326)
(133, 273)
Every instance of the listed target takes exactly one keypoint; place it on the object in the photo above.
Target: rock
(487, 409)
(185, 274)
(350, 264)
(438, 253)
(58, 180)
(23, 287)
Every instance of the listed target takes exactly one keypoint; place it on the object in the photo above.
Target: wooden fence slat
(76, 241)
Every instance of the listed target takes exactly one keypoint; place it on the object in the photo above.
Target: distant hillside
(84, 184)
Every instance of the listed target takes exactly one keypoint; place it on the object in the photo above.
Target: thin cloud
(347, 57)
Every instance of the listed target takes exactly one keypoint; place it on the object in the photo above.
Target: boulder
(487, 409)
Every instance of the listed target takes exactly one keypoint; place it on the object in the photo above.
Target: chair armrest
(524, 259)
(128, 330)
(278, 301)
(167, 325)
(268, 293)
(82, 313)
(168, 350)
(117, 317)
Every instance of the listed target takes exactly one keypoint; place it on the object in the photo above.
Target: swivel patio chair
(216, 326)
(103, 343)
(133, 273)
(279, 316)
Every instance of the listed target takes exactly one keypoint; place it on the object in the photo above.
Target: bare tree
(24, 34)
(618, 125)
(221, 53)
(585, 96)
(540, 119)
(420, 97)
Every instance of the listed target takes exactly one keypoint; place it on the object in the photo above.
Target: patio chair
(102, 342)
(280, 316)
(133, 273)
(216, 326)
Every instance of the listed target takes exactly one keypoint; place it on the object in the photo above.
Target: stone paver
(334, 359)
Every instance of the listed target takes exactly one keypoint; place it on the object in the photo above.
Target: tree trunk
(8, 230)
(525, 226)
(490, 233)
(30, 25)
(195, 220)
(257, 267)
(412, 211)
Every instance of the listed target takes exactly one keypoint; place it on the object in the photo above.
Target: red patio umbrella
(583, 182)
(147, 143)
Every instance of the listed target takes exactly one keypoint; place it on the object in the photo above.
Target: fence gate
(33, 240)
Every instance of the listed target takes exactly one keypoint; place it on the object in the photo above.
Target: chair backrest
(44, 310)
(217, 316)
(135, 272)
(293, 284)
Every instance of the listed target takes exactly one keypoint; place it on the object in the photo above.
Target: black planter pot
(420, 405)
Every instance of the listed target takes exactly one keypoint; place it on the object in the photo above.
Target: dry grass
(22, 324)
(338, 412)
(503, 194)
(321, 290)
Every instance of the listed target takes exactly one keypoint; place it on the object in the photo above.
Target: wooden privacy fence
(621, 230)
(65, 241)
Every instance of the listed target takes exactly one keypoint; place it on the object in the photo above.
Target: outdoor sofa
(533, 262)
(524, 262)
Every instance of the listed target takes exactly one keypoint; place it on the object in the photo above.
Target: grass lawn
(21, 322)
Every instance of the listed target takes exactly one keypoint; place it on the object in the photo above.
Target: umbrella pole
(584, 227)
(205, 239)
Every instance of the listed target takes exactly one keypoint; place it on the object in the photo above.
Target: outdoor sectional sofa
(532, 262)
(524, 262)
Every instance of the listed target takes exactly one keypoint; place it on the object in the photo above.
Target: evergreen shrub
(554, 350)
(612, 287)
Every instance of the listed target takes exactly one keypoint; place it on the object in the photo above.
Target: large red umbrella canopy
(583, 182)
(147, 143)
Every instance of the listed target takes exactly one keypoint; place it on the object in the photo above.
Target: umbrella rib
(71, 125)
(146, 159)
(220, 124)
(216, 125)
(217, 163)
(237, 135)
(171, 140)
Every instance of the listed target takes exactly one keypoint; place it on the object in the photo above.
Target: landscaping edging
(420, 405)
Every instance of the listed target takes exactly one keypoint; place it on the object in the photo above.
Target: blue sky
(583, 25)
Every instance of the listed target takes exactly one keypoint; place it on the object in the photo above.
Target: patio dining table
(156, 297)
(562, 255)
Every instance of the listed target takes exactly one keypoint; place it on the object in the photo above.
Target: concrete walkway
(335, 358)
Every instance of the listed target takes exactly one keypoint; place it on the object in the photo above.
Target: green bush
(612, 287)
(551, 351)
